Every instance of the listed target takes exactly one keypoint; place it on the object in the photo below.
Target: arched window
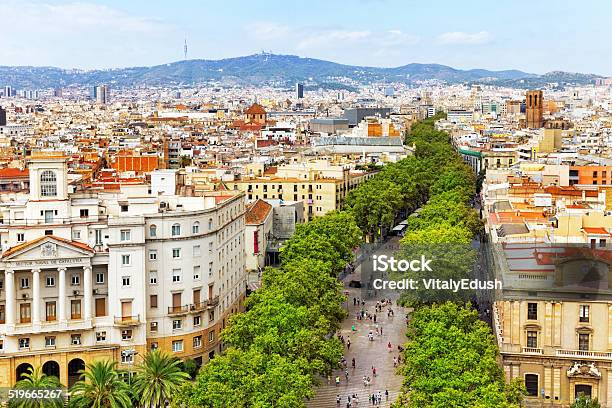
(195, 228)
(153, 230)
(48, 184)
(176, 230)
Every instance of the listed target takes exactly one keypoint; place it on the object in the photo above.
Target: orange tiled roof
(255, 109)
(257, 212)
(13, 173)
(595, 230)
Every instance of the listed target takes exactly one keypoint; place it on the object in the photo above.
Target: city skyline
(379, 33)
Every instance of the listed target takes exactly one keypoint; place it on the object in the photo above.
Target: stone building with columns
(101, 274)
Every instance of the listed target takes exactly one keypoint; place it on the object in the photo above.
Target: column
(61, 297)
(88, 292)
(10, 297)
(36, 297)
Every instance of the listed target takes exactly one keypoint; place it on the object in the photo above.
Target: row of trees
(451, 358)
(157, 379)
(282, 343)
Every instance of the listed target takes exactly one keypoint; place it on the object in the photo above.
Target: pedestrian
(394, 361)
(353, 363)
(348, 345)
(373, 371)
(354, 301)
(338, 398)
(379, 396)
(375, 318)
(337, 381)
(346, 375)
(381, 330)
(387, 395)
(389, 347)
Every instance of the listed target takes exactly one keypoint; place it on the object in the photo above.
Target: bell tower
(534, 109)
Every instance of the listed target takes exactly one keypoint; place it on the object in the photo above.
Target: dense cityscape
(281, 231)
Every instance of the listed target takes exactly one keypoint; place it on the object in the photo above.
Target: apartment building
(321, 186)
(114, 273)
(553, 318)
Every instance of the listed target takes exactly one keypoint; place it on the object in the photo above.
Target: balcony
(585, 354)
(178, 310)
(212, 302)
(196, 307)
(127, 320)
(532, 350)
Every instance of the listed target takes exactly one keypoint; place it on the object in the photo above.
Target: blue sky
(534, 36)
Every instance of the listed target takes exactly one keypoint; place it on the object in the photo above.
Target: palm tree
(102, 387)
(35, 379)
(158, 377)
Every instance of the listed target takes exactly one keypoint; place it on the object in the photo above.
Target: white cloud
(460, 37)
(267, 30)
(332, 38)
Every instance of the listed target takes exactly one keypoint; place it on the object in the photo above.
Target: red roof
(255, 109)
(595, 230)
(257, 212)
(14, 173)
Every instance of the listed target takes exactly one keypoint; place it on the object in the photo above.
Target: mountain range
(275, 70)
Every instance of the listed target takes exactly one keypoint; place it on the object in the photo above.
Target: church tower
(534, 109)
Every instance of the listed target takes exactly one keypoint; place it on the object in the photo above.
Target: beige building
(322, 187)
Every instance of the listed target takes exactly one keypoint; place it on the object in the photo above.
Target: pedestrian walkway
(367, 354)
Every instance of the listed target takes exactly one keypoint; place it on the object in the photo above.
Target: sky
(535, 36)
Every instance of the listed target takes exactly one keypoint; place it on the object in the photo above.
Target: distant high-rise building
(299, 90)
(389, 91)
(534, 109)
(8, 91)
(102, 94)
(57, 92)
(2, 117)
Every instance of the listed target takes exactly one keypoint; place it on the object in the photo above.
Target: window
(583, 341)
(25, 283)
(196, 250)
(50, 281)
(50, 310)
(532, 311)
(196, 272)
(125, 281)
(99, 278)
(210, 247)
(197, 342)
(125, 260)
(211, 336)
(98, 237)
(153, 326)
(152, 255)
(75, 339)
(153, 277)
(50, 341)
(197, 320)
(126, 335)
(176, 253)
(48, 184)
(584, 313)
(76, 234)
(75, 309)
(75, 280)
(124, 208)
(153, 301)
(25, 313)
(127, 358)
(531, 384)
(126, 235)
(177, 324)
(176, 230)
(532, 339)
(211, 316)
(84, 213)
(100, 307)
(101, 336)
(177, 346)
(48, 232)
(20, 237)
(153, 231)
(210, 223)
(195, 228)
(24, 343)
(176, 275)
